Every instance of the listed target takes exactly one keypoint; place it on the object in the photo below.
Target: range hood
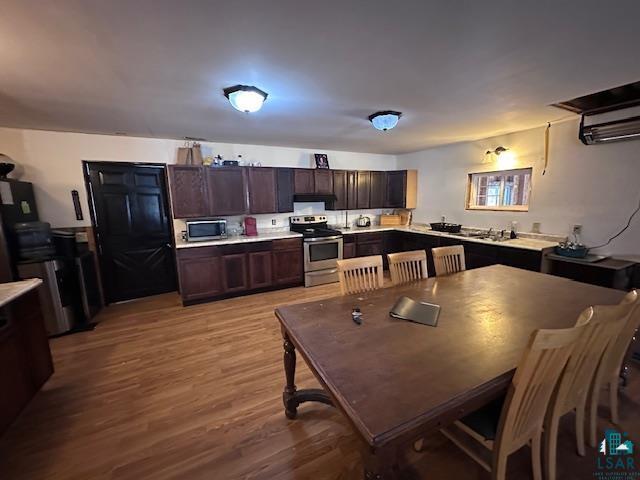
(314, 197)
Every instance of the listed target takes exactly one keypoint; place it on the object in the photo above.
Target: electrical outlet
(577, 229)
(273, 221)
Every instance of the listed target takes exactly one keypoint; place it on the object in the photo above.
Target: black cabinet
(284, 182)
(520, 258)
(396, 192)
(363, 190)
(339, 190)
(378, 193)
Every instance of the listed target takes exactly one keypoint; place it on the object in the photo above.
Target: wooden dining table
(396, 380)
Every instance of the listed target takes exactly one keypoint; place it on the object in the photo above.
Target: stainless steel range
(322, 249)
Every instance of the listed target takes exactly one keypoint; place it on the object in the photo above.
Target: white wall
(596, 186)
(53, 162)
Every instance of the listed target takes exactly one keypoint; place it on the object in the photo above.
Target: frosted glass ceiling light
(385, 120)
(245, 98)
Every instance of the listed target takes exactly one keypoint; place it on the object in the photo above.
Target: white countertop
(12, 290)
(261, 237)
(525, 243)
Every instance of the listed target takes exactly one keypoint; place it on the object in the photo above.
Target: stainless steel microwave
(202, 230)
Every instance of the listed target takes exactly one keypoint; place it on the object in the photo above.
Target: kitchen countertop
(261, 237)
(11, 290)
(524, 243)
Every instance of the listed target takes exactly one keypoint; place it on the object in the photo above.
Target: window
(504, 190)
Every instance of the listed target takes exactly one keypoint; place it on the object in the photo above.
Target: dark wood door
(323, 181)
(188, 191)
(262, 190)
(303, 180)
(352, 190)
(235, 272)
(340, 190)
(378, 189)
(200, 271)
(287, 262)
(133, 229)
(227, 188)
(364, 189)
(396, 189)
(284, 180)
(260, 271)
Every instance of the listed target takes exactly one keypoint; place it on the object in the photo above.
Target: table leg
(292, 397)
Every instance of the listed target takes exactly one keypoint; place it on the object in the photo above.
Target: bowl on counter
(446, 227)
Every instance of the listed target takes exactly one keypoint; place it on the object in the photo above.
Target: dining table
(396, 380)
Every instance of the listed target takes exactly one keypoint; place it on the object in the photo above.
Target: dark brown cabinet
(349, 246)
(377, 197)
(287, 262)
(227, 189)
(260, 271)
(340, 190)
(363, 189)
(188, 191)
(303, 180)
(199, 273)
(234, 267)
(396, 190)
(262, 190)
(352, 190)
(323, 181)
(369, 244)
(284, 181)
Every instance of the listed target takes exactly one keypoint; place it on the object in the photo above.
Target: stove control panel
(308, 219)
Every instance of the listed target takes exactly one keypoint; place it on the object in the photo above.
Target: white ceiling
(459, 70)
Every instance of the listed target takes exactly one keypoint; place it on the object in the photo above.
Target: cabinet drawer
(197, 252)
(369, 237)
(232, 249)
(258, 247)
(287, 244)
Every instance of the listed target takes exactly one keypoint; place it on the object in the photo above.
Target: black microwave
(201, 230)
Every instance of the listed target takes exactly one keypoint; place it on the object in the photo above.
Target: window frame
(471, 191)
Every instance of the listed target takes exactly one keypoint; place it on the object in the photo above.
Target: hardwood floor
(164, 392)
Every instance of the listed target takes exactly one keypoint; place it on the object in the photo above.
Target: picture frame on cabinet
(322, 160)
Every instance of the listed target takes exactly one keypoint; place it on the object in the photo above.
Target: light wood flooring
(159, 391)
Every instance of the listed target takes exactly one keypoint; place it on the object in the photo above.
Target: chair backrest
(407, 266)
(533, 384)
(448, 260)
(359, 275)
(602, 326)
(617, 349)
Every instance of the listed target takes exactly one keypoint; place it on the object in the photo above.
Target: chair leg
(499, 470)
(593, 413)
(536, 458)
(580, 410)
(550, 447)
(613, 400)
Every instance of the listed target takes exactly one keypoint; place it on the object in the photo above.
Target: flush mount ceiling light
(385, 120)
(245, 98)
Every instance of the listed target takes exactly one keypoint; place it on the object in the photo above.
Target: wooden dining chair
(358, 275)
(602, 325)
(491, 434)
(407, 266)
(608, 374)
(448, 260)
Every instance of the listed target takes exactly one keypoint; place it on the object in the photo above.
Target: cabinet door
(396, 189)
(15, 384)
(520, 258)
(349, 250)
(352, 190)
(364, 189)
(227, 188)
(303, 180)
(260, 272)
(284, 178)
(188, 188)
(378, 194)
(368, 249)
(287, 266)
(323, 181)
(200, 277)
(340, 190)
(235, 272)
(262, 190)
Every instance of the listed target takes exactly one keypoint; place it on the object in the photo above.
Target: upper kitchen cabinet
(227, 187)
(188, 185)
(284, 182)
(340, 190)
(262, 190)
(304, 180)
(402, 186)
(352, 190)
(377, 197)
(323, 180)
(363, 189)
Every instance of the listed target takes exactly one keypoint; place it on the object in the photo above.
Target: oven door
(322, 253)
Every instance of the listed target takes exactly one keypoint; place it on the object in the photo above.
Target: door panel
(288, 266)
(352, 190)
(364, 188)
(235, 272)
(285, 189)
(200, 277)
(396, 189)
(260, 274)
(340, 189)
(323, 181)
(378, 189)
(188, 191)
(262, 190)
(303, 180)
(227, 187)
(133, 230)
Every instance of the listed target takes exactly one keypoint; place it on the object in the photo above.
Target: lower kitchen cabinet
(348, 246)
(288, 264)
(234, 267)
(199, 273)
(260, 271)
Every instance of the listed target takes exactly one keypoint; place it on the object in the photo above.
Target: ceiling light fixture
(245, 98)
(385, 120)
(497, 151)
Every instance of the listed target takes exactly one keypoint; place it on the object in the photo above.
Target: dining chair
(448, 260)
(602, 325)
(608, 374)
(407, 266)
(358, 275)
(490, 434)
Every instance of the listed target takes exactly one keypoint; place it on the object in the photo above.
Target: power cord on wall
(621, 231)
